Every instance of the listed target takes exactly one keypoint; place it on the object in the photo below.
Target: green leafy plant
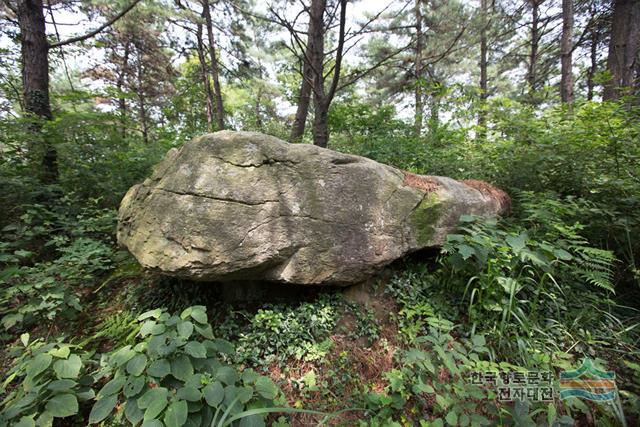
(278, 332)
(177, 373)
(49, 289)
(433, 378)
(53, 380)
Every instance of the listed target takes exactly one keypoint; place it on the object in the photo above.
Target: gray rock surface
(235, 206)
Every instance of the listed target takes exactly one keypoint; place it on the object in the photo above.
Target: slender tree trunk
(566, 47)
(419, 89)
(122, 101)
(205, 77)
(484, 86)
(316, 57)
(533, 53)
(304, 98)
(35, 81)
(593, 54)
(624, 48)
(258, 108)
(321, 97)
(142, 104)
(320, 125)
(215, 74)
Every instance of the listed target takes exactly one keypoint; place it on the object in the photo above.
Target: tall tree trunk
(35, 81)
(214, 66)
(142, 102)
(205, 77)
(304, 97)
(316, 57)
(566, 48)
(419, 89)
(122, 101)
(533, 53)
(593, 54)
(259, 107)
(484, 86)
(624, 48)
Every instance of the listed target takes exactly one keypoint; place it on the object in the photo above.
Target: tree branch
(97, 30)
(338, 65)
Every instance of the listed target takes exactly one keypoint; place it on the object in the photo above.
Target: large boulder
(235, 206)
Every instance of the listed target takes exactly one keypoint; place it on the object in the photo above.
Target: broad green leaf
(45, 419)
(214, 394)
(223, 346)
(205, 331)
(452, 418)
(478, 340)
(152, 423)
(136, 365)
(24, 339)
(518, 242)
(151, 313)
(134, 385)
(266, 388)
(252, 421)
(156, 406)
(186, 313)
(199, 316)
(249, 376)
(102, 408)
(112, 387)
(176, 414)
(68, 368)
(12, 319)
(132, 412)
(61, 385)
(159, 368)
(38, 364)
(26, 422)
(227, 375)
(466, 251)
(61, 353)
(123, 355)
(181, 367)
(196, 349)
(147, 327)
(185, 329)
(158, 393)
(62, 405)
(158, 329)
(190, 394)
(563, 255)
(245, 394)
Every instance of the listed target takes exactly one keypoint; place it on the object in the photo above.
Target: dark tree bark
(122, 102)
(205, 77)
(419, 89)
(484, 84)
(35, 75)
(214, 67)
(316, 58)
(566, 49)
(35, 81)
(624, 47)
(533, 52)
(322, 98)
(304, 97)
(594, 33)
(142, 102)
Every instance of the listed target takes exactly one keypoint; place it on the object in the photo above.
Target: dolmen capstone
(243, 206)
